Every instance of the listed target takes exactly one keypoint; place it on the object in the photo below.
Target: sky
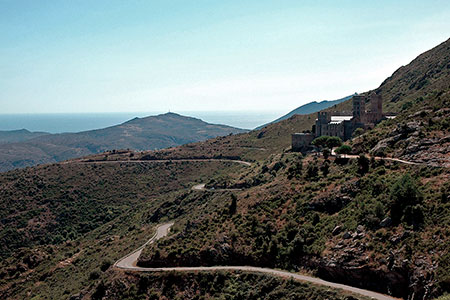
(204, 55)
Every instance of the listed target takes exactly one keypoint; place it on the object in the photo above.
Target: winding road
(201, 187)
(246, 163)
(406, 162)
(129, 261)
(379, 158)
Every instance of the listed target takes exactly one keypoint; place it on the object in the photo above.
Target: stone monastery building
(342, 125)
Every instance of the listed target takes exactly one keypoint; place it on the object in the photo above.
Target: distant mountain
(308, 108)
(14, 136)
(150, 133)
(388, 224)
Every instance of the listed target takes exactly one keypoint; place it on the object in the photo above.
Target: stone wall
(301, 142)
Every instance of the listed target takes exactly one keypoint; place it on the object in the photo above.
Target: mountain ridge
(152, 132)
(309, 108)
(19, 135)
(377, 224)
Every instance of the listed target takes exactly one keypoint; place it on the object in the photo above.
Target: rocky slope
(419, 93)
(328, 217)
(377, 224)
(342, 219)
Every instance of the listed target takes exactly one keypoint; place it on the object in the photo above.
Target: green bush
(344, 149)
(363, 165)
(233, 204)
(105, 265)
(325, 168)
(406, 199)
(327, 141)
(94, 275)
(443, 273)
(358, 132)
(312, 171)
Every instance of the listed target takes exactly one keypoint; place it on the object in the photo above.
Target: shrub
(295, 169)
(405, 194)
(358, 132)
(407, 105)
(100, 291)
(327, 141)
(363, 165)
(94, 275)
(106, 263)
(278, 165)
(233, 205)
(312, 171)
(264, 169)
(443, 273)
(325, 168)
(344, 149)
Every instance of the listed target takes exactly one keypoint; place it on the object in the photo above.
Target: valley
(261, 220)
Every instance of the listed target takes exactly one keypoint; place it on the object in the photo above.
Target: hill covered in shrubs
(373, 223)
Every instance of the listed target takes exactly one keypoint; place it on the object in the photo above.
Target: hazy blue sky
(112, 56)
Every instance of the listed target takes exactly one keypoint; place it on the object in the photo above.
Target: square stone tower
(376, 106)
(359, 109)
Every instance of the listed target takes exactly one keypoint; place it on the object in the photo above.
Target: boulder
(360, 229)
(78, 296)
(347, 235)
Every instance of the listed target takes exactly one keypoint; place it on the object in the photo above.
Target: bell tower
(359, 108)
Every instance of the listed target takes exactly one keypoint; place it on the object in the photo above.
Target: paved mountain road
(155, 161)
(393, 159)
(129, 263)
(379, 158)
(201, 187)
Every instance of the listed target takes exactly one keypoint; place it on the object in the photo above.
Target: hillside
(309, 108)
(155, 132)
(337, 194)
(420, 131)
(376, 224)
(420, 92)
(14, 136)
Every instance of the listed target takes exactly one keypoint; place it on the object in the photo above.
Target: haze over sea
(58, 123)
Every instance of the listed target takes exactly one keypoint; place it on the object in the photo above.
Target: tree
(312, 171)
(344, 149)
(413, 215)
(94, 275)
(327, 141)
(334, 141)
(106, 263)
(233, 204)
(406, 199)
(273, 248)
(326, 153)
(320, 141)
(363, 164)
(325, 168)
(358, 132)
(295, 169)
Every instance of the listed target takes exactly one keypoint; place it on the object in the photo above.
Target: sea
(76, 122)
